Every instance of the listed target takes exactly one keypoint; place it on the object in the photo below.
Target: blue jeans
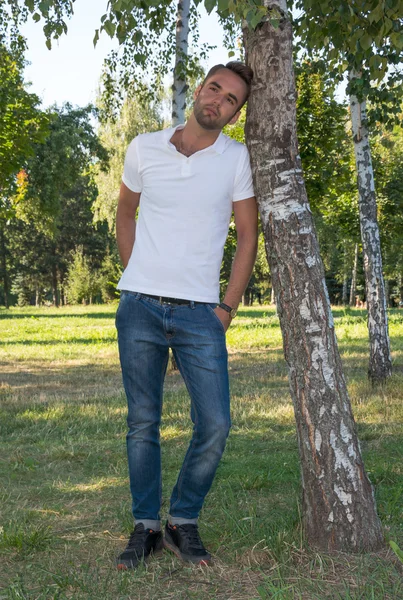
(146, 331)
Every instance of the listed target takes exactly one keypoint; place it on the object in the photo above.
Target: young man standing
(187, 181)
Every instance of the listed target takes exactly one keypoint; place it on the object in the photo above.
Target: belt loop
(192, 304)
(137, 296)
(160, 299)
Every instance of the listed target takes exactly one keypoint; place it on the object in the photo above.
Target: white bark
(179, 86)
(338, 505)
(380, 362)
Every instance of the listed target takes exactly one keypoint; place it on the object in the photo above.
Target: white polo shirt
(184, 214)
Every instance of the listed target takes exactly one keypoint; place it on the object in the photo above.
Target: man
(186, 180)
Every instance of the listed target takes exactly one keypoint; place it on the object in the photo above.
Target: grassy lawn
(64, 497)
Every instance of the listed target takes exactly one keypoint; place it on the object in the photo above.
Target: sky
(70, 71)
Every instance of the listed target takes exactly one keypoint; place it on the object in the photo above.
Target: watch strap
(228, 309)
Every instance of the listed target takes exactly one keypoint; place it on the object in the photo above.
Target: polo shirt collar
(218, 146)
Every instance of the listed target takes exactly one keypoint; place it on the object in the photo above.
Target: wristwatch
(228, 309)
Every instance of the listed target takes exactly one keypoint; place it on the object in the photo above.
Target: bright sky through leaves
(70, 71)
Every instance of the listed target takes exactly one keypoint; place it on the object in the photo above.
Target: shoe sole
(185, 557)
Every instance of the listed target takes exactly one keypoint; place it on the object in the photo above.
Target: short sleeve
(243, 186)
(131, 171)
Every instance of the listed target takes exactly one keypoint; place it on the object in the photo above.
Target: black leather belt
(165, 300)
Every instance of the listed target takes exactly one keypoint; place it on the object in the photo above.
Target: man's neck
(193, 138)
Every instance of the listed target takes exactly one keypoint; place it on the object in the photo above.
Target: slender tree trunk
(380, 362)
(344, 295)
(4, 269)
(339, 510)
(353, 288)
(387, 293)
(179, 86)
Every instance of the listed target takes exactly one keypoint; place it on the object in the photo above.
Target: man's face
(217, 102)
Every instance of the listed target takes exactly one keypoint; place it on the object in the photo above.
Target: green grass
(64, 498)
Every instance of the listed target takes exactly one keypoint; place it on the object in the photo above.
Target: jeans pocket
(211, 310)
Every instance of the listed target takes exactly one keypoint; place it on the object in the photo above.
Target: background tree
(23, 125)
(387, 149)
(326, 152)
(179, 86)
(115, 135)
(59, 189)
(365, 41)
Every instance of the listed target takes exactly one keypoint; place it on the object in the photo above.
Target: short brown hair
(240, 69)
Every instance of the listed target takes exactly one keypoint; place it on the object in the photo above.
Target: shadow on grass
(89, 315)
(262, 371)
(73, 340)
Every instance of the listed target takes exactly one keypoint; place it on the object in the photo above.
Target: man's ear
(197, 91)
(235, 118)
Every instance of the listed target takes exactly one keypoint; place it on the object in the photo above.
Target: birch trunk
(354, 277)
(344, 297)
(179, 86)
(338, 503)
(380, 362)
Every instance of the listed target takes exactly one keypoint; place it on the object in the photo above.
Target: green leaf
(49, 44)
(222, 5)
(388, 25)
(36, 17)
(110, 28)
(30, 4)
(396, 550)
(397, 40)
(96, 37)
(209, 5)
(231, 53)
(365, 41)
(377, 14)
(375, 61)
(44, 7)
(137, 36)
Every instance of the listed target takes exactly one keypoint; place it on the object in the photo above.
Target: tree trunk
(380, 362)
(55, 286)
(353, 289)
(179, 86)
(4, 266)
(344, 295)
(387, 293)
(338, 503)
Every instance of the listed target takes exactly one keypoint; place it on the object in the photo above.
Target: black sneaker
(185, 542)
(142, 544)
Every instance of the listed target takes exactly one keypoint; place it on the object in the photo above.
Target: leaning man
(187, 181)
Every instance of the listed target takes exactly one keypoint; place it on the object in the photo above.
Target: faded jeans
(146, 331)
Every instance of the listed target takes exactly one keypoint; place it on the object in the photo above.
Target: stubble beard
(208, 122)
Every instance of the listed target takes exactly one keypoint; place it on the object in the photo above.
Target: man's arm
(245, 214)
(126, 222)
